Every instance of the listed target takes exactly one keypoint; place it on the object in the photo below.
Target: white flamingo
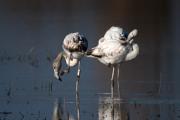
(114, 48)
(74, 46)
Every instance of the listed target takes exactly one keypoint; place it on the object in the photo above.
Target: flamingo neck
(132, 54)
(71, 61)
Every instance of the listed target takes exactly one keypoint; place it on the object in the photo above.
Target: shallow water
(31, 33)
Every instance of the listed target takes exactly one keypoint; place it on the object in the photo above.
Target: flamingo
(113, 49)
(74, 47)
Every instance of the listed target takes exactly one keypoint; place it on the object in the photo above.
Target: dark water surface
(31, 34)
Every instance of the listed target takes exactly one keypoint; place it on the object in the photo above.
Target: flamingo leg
(118, 89)
(112, 91)
(118, 86)
(77, 92)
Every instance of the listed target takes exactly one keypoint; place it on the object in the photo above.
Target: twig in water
(22, 115)
(160, 83)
